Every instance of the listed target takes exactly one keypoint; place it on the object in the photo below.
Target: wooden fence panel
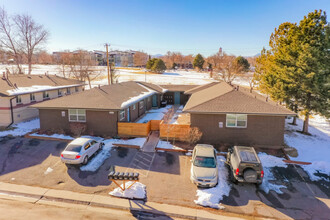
(133, 129)
(155, 125)
(173, 131)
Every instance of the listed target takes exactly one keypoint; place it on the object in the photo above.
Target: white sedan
(80, 150)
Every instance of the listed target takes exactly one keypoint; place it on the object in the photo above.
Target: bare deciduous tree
(21, 36)
(227, 66)
(193, 135)
(83, 67)
(140, 59)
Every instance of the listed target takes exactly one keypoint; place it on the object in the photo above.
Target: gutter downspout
(11, 112)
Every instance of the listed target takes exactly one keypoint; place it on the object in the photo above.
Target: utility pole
(108, 66)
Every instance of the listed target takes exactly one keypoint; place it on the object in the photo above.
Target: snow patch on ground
(22, 128)
(314, 148)
(212, 196)
(268, 162)
(154, 114)
(57, 136)
(137, 191)
(167, 145)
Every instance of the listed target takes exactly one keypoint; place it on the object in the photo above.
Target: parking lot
(166, 175)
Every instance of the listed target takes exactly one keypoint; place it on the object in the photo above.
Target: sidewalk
(152, 142)
(52, 196)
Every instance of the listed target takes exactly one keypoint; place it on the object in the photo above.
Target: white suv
(204, 166)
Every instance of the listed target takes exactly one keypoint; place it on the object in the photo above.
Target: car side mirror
(230, 150)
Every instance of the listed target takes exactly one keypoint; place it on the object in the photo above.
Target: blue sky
(155, 26)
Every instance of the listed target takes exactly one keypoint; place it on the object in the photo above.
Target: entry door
(128, 115)
(177, 98)
(154, 101)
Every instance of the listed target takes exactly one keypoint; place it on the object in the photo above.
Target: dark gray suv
(245, 165)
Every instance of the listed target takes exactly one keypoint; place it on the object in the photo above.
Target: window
(78, 115)
(45, 95)
(141, 104)
(236, 120)
(76, 89)
(18, 99)
(32, 97)
(122, 115)
(93, 142)
(59, 92)
(68, 91)
(87, 146)
(133, 107)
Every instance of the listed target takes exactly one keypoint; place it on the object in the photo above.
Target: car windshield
(208, 162)
(74, 148)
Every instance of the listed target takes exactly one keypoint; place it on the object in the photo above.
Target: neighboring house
(234, 115)
(17, 92)
(176, 94)
(100, 108)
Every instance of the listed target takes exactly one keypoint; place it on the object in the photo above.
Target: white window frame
(32, 95)
(134, 107)
(141, 104)
(77, 114)
(236, 120)
(59, 93)
(19, 99)
(68, 91)
(122, 115)
(45, 95)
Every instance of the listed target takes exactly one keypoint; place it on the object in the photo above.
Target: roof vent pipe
(15, 85)
(99, 86)
(237, 88)
(267, 99)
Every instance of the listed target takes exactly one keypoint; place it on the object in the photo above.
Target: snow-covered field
(137, 191)
(314, 148)
(22, 128)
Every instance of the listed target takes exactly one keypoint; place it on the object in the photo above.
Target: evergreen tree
(296, 68)
(244, 63)
(159, 66)
(198, 61)
(156, 65)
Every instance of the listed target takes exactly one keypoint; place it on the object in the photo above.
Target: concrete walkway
(151, 143)
(38, 195)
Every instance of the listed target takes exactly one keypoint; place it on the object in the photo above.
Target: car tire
(250, 175)
(85, 161)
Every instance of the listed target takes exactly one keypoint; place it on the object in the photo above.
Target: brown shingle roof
(199, 88)
(223, 98)
(111, 97)
(178, 88)
(33, 80)
(155, 87)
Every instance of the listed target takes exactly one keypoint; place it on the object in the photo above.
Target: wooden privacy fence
(134, 129)
(173, 131)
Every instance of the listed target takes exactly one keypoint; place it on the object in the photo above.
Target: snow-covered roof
(36, 88)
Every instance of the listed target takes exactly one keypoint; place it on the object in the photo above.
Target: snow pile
(314, 148)
(268, 162)
(22, 128)
(57, 136)
(167, 145)
(137, 191)
(212, 196)
(154, 114)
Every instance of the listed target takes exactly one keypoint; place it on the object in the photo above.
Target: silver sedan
(80, 150)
